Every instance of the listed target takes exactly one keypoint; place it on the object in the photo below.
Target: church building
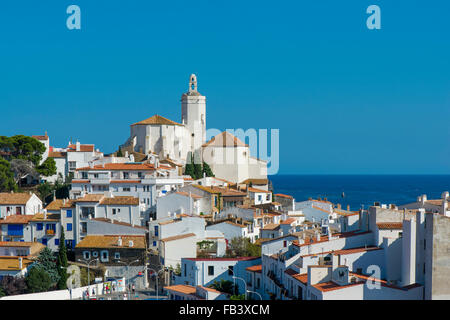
(169, 139)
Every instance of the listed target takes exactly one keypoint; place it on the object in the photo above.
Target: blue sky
(345, 99)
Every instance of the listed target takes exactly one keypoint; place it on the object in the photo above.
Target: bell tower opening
(193, 83)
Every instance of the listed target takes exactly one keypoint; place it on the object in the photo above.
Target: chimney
(348, 207)
(112, 220)
(339, 206)
(423, 199)
(119, 241)
(20, 263)
(45, 214)
(78, 146)
(318, 236)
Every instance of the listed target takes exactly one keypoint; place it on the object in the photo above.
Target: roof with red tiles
(14, 198)
(17, 219)
(225, 139)
(157, 120)
(283, 196)
(389, 225)
(257, 268)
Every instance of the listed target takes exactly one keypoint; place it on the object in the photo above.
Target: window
(285, 243)
(95, 254)
(113, 211)
(258, 283)
(156, 231)
(86, 211)
(69, 244)
(210, 270)
(86, 255)
(126, 189)
(84, 175)
(184, 270)
(126, 175)
(96, 175)
(56, 242)
(230, 270)
(39, 226)
(44, 241)
(154, 243)
(15, 230)
(259, 197)
(69, 227)
(69, 214)
(117, 255)
(19, 210)
(72, 165)
(104, 256)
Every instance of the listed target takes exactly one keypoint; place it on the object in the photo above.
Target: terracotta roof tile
(13, 264)
(283, 195)
(182, 288)
(83, 148)
(14, 198)
(178, 237)
(90, 198)
(257, 268)
(389, 225)
(111, 241)
(157, 120)
(271, 226)
(17, 219)
(120, 200)
(55, 154)
(58, 204)
(225, 139)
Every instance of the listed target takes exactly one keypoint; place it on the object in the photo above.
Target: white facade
(204, 271)
(168, 139)
(229, 158)
(19, 203)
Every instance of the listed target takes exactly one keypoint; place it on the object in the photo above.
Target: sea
(361, 191)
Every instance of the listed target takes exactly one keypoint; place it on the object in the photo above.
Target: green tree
(47, 262)
(207, 170)
(7, 182)
(2, 292)
(38, 280)
(27, 148)
(62, 262)
(177, 270)
(45, 191)
(242, 247)
(225, 286)
(198, 174)
(238, 297)
(47, 168)
(119, 153)
(189, 168)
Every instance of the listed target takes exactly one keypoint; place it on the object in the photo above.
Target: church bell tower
(193, 115)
